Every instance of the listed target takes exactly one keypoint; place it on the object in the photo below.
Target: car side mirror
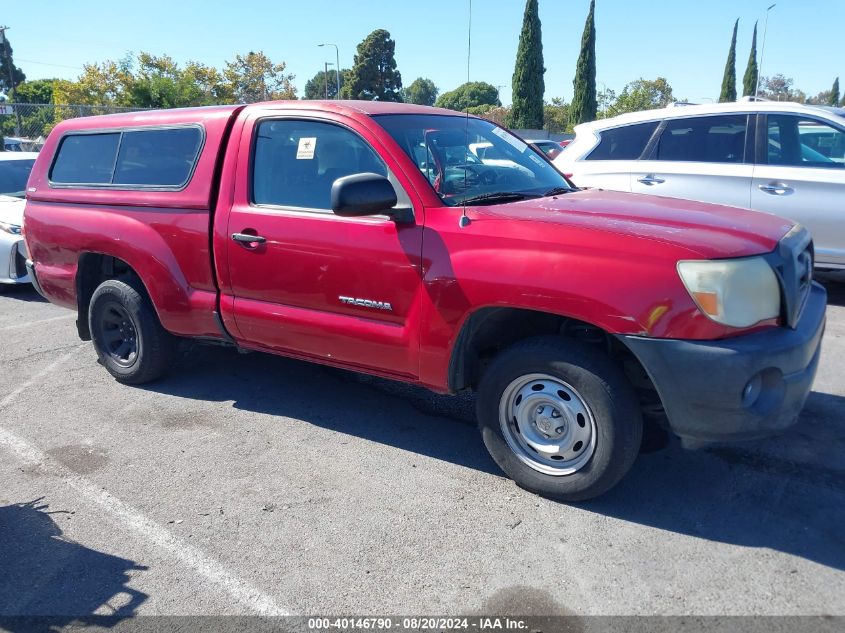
(366, 194)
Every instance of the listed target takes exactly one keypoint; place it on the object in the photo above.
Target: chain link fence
(24, 126)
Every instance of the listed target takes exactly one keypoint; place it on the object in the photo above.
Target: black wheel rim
(118, 334)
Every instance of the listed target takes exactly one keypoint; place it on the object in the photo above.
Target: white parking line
(20, 326)
(127, 516)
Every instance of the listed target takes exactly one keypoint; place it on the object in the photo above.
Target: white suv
(783, 158)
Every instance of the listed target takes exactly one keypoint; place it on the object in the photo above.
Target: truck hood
(11, 210)
(708, 230)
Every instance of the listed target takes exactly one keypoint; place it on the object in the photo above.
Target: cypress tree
(749, 80)
(729, 80)
(834, 93)
(528, 84)
(584, 104)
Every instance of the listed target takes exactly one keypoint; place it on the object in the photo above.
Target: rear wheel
(560, 418)
(128, 337)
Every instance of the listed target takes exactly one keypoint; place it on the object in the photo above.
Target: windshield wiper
(499, 196)
(558, 191)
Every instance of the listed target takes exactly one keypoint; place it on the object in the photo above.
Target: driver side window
(296, 162)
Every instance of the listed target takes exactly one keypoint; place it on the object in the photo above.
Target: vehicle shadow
(22, 292)
(786, 493)
(835, 285)
(45, 574)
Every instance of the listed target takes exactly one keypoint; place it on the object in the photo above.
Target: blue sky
(685, 41)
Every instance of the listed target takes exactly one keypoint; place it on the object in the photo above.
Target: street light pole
(762, 52)
(337, 65)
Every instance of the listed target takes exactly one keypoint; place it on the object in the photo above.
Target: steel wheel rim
(547, 424)
(118, 334)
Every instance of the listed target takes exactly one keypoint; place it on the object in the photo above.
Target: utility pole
(326, 78)
(11, 79)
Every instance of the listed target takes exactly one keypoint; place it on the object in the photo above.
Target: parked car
(782, 158)
(14, 171)
(549, 148)
(312, 230)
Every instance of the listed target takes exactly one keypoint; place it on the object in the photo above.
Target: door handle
(650, 180)
(777, 189)
(246, 238)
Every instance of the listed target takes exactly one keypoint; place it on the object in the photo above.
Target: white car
(14, 172)
(783, 158)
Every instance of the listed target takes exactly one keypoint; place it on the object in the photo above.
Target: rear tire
(560, 418)
(128, 337)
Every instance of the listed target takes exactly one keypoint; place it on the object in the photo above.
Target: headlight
(735, 292)
(14, 229)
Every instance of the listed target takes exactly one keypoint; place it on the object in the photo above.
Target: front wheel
(560, 418)
(130, 341)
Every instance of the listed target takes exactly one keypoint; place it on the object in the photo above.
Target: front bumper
(739, 388)
(13, 260)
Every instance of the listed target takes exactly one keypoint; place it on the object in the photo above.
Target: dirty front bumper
(738, 388)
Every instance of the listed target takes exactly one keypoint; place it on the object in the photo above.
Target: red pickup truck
(434, 248)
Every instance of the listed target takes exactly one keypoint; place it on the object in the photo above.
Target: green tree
(159, 82)
(642, 94)
(469, 95)
(255, 77)
(422, 92)
(527, 82)
(36, 91)
(556, 116)
(315, 88)
(584, 105)
(834, 93)
(729, 79)
(780, 88)
(374, 76)
(749, 79)
(8, 69)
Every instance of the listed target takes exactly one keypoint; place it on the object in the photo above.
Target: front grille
(793, 262)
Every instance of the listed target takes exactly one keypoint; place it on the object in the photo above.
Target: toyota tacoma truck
(436, 248)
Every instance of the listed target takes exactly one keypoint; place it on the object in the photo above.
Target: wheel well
(490, 330)
(94, 269)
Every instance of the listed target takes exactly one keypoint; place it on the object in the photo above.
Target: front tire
(128, 337)
(560, 418)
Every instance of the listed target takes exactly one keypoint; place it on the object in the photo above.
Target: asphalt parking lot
(248, 484)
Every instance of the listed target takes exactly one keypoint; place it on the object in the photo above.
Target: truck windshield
(473, 161)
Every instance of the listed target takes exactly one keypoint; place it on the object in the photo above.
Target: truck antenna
(463, 222)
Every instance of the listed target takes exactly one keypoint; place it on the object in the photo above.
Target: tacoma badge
(367, 303)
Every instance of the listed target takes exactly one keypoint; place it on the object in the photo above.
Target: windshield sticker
(510, 138)
(536, 159)
(307, 145)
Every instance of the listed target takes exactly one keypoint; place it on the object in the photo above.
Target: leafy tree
(729, 79)
(422, 92)
(160, 83)
(834, 93)
(749, 79)
(584, 105)
(780, 88)
(108, 83)
(374, 76)
(556, 116)
(7, 62)
(254, 77)
(642, 94)
(498, 114)
(605, 100)
(315, 88)
(469, 95)
(527, 82)
(823, 98)
(36, 91)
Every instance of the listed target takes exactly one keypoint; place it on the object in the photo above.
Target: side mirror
(363, 194)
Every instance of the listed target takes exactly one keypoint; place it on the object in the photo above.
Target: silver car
(782, 158)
